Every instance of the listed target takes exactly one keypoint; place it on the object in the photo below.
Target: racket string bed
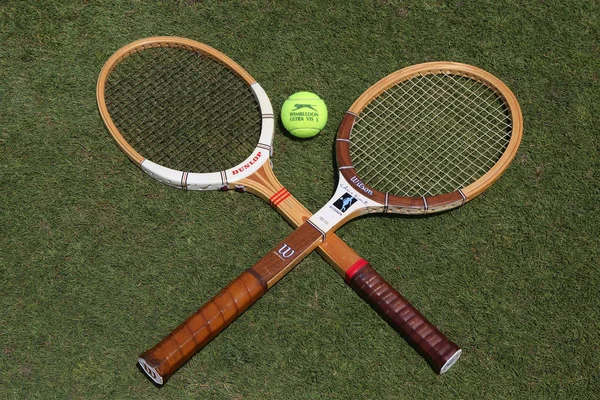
(152, 96)
(447, 144)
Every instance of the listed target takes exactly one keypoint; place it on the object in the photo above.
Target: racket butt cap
(453, 359)
(150, 371)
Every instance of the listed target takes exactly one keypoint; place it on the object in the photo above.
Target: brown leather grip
(166, 357)
(437, 349)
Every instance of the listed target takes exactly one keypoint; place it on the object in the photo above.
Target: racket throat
(346, 203)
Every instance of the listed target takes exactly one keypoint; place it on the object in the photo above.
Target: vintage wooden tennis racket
(192, 111)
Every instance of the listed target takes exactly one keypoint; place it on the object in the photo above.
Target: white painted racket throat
(346, 203)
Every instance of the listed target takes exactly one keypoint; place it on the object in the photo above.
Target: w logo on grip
(285, 251)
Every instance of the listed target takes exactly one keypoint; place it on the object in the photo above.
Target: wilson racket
(192, 110)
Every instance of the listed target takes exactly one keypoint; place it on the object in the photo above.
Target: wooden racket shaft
(194, 333)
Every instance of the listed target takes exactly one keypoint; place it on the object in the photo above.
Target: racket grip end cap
(150, 370)
(453, 359)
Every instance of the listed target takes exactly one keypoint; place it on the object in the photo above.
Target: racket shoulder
(345, 204)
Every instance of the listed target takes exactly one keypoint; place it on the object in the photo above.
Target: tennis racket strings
(429, 135)
(182, 109)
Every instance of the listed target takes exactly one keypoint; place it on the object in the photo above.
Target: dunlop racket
(181, 110)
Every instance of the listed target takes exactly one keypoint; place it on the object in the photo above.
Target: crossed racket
(424, 139)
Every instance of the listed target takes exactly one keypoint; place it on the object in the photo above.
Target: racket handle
(160, 362)
(439, 351)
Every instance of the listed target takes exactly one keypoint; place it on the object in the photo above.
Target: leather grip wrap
(437, 349)
(194, 333)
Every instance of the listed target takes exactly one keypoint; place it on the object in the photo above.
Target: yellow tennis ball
(304, 114)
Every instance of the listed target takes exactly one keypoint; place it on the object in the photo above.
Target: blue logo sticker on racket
(344, 202)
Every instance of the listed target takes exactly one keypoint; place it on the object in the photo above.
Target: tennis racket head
(187, 114)
(428, 138)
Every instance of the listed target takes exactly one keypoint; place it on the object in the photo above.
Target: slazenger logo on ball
(296, 115)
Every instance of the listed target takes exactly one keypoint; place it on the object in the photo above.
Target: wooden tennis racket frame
(260, 180)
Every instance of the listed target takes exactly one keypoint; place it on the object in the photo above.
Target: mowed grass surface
(98, 262)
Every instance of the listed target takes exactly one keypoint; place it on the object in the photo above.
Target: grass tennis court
(98, 262)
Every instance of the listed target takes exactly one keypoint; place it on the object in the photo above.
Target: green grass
(98, 261)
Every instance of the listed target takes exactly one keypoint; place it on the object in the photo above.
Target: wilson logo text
(361, 185)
